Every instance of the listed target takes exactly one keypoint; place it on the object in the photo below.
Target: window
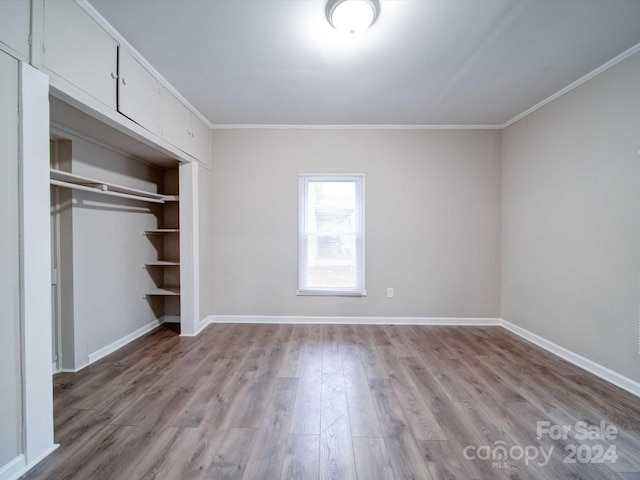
(331, 235)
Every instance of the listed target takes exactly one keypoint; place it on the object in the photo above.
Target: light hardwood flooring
(339, 402)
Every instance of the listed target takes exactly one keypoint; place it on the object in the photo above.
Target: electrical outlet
(390, 292)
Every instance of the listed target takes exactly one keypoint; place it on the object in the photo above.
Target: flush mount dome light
(352, 16)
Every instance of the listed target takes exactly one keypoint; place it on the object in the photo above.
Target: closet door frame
(35, 264)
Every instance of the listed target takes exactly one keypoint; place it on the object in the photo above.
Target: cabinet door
(139, 94)
(183, 129)
(15, 27)
(79, 50)
(199, 139)
(176, 119)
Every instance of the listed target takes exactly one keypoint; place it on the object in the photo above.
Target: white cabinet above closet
(139, 93)
(183, 128)
(77, 49)
(15, 28)
(177, 121)
(92, 66)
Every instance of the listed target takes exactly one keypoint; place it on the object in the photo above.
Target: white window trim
(303, 290)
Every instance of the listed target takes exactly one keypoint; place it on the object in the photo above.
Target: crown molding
(352, 127)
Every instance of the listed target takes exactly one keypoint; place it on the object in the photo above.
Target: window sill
(329, 293)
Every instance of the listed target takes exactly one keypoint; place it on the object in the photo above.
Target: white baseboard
(18, 466)
(112, 347)
(598, 370)
(13, 469)
(72, 370)
(171, 319)
(290, 319)
(201, 325)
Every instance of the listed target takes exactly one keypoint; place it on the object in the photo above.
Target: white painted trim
(112, 347)
(290, 319)
(170, 319)
(189, 248)
(14, 468)
(598, 370)
(606, 66)
(72, 370)
(35, 263)
(352, 127)
(200, 326)
(11, 474)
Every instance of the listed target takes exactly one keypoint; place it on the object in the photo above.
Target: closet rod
(60, 183)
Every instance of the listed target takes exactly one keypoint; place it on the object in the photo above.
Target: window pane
(331, 237)
(331, 207)
(332, 261)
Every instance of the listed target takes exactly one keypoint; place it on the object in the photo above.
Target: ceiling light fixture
(352, 16)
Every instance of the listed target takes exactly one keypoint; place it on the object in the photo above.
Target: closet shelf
(78, 182)
(163, 263)
(161, 231)
(164, 292)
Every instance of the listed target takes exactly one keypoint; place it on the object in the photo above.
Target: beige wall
(432, 220)
(571, 220)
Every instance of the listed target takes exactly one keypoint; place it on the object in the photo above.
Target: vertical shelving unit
(165, 270)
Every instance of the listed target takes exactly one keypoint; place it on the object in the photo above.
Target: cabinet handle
(124, 81)
(113, 75)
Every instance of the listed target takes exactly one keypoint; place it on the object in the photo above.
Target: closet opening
(115, 250)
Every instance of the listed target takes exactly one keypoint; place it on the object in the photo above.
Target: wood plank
(455, 428)
(371, 361)
(306, 411)
(249, 408)
(209, 398)
(268, 452)
(115, 453)
(421, 420)
(336, 448)
(155, 454)
(394, 333)
(227, 402)
(231, 458)
(70, 454)
(404, 452)
(372, 459)
(294, 350)
(362, 414)
(301, 460)
(157, 408)
(331, 360)
(444, 460)
(194, 452)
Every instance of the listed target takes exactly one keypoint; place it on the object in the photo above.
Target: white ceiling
(424, 62)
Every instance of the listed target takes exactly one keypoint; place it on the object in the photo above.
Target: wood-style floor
(339, 402)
